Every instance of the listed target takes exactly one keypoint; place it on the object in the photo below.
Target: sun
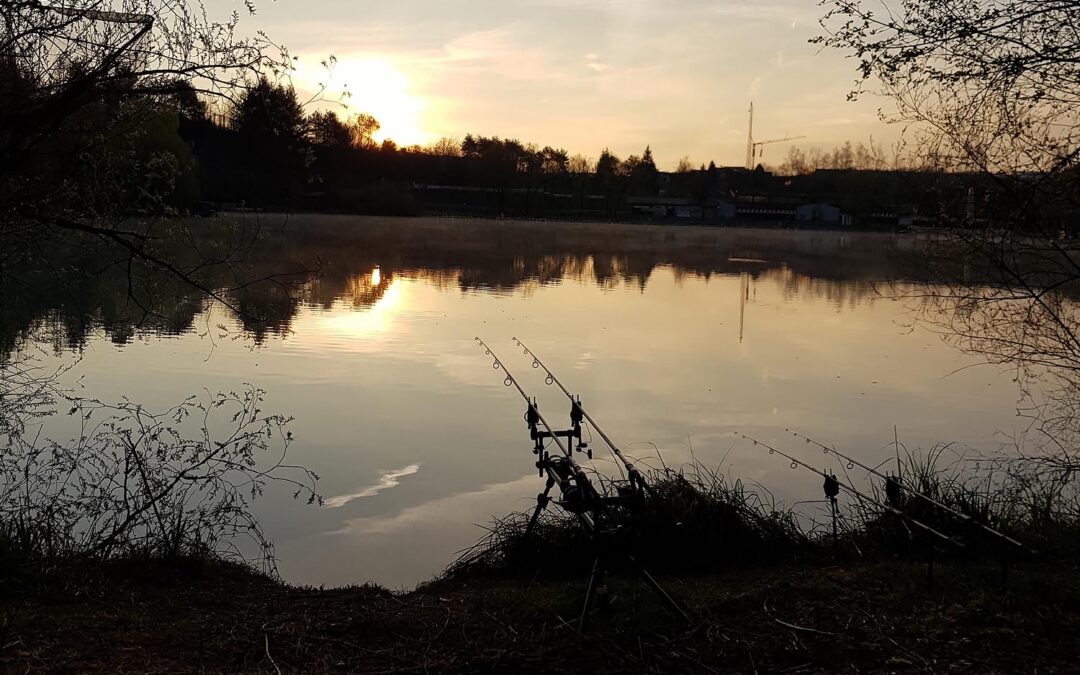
(379, 87)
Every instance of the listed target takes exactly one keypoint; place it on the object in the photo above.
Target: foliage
(362, 129)
(692, 520)
(698, 520)
(986, 86)
(62, 58)
(270, 123)
(134, 482)
(992, 90)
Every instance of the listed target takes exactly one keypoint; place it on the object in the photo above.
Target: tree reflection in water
(356, 260)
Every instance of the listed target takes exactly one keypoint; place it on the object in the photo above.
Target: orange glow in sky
(377, 86)
(584, 76)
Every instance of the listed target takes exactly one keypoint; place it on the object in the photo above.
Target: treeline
(847, 157)
(267, 152)
(136, 149)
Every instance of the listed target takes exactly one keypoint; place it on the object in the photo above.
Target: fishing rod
(911, 490)
(577, 409)
(532, 414)
(851, 490)
(579, 498)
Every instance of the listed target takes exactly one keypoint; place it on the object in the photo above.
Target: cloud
(450, 511)
(594, 62)
(507, 51)
(767, 11)
(584, 74)
(387, 480)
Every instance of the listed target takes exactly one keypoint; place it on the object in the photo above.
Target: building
(821, 212)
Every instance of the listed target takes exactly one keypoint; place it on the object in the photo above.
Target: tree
(189, 105)
(63, 58)
(271, 123)
(581, 169)
(90, 104)
(610, 175)
(580, 164)
(989, 86)
(83, 92)
(642, 173)
(445, 147)
(796, 163)
(608, 167)
(990, 91)
(498, 163)
(859, 157)
(326, 130)
(363, 128)
(684, 166)
(554, 161)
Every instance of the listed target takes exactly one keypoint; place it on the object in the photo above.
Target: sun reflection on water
(352, 318)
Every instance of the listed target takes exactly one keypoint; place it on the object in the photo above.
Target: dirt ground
(879, 618)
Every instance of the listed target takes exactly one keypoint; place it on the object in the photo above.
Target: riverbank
(853, 617)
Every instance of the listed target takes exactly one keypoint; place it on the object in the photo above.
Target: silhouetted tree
(363, 128)
(861, 157)
(325, 129)
(499, 162)
(445, 147)
(610, 180)
(189, 105)
(270, 123)
(991, 89)
(62, 58)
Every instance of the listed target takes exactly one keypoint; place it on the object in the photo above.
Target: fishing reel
(574, 486)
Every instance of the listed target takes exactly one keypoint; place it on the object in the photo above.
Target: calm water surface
(418, 441)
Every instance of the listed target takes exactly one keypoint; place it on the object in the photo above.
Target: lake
(675, 337)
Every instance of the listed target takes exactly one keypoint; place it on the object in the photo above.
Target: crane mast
(750, 140)
(754, 149)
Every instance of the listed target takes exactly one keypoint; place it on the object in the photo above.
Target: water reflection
(673, 336)
(358, 260)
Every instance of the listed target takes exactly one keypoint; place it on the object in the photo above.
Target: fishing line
(632, 473)
(795, 463)
(903, 486)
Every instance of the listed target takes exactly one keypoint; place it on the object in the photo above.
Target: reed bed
(699, 520)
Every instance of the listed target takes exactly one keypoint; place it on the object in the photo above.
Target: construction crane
(755, 149)
(758, 148)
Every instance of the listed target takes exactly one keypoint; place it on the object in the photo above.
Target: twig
(792, 626)
(266, 642)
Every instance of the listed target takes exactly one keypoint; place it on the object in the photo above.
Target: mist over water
(674, 337)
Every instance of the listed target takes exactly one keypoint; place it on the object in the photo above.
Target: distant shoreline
(665, 224)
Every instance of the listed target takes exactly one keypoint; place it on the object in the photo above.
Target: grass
(690, 522)
(765, 594)
(699, 521)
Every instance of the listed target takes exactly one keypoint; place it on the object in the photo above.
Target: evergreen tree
(272, 129)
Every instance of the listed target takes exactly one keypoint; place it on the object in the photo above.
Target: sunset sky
(584, 74)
